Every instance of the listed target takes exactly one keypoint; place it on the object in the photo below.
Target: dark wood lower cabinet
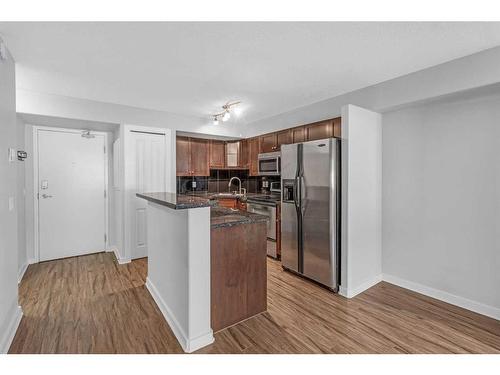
(238, 273)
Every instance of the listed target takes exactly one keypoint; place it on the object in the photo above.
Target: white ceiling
(193, 68)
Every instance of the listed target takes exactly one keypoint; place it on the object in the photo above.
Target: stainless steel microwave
(269, 164)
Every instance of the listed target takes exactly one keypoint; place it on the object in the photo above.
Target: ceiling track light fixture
(225, 114)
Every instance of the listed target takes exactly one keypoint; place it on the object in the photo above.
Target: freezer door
(289, 208)
(318, 205)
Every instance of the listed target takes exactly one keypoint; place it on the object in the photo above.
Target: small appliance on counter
(276, 187)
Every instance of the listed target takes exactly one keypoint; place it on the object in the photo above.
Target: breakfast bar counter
(206, 264)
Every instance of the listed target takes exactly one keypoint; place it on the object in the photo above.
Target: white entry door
(71, 188)
(147, 175)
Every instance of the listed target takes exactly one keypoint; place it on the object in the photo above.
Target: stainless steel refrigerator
(310, 210)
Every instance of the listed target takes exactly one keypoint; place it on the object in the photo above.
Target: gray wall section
(441, 197)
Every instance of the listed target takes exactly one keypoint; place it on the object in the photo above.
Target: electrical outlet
(11, 204)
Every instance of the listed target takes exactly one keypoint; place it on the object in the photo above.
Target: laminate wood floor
(90, 304)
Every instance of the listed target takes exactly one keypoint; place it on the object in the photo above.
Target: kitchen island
(206, 265)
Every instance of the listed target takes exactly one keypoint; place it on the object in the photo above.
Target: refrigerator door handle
(303, 195)
(296, 198)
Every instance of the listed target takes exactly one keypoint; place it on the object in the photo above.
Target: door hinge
(105, 194)
(104, 149)
(105, 238)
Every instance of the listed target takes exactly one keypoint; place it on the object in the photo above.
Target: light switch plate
(11, 204)
(12, 155)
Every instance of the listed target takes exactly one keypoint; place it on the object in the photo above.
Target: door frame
(36, 217)
(170, 178)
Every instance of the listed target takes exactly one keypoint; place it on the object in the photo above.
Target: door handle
(45, 196)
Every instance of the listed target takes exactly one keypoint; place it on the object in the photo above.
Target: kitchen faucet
(239, 181)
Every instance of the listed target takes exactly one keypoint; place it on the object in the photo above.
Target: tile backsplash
(218, 182)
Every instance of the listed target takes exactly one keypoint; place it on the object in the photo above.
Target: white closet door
(71, 186)
(148, 175)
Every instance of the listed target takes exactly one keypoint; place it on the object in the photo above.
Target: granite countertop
(227, 217)
(272, 199)
(179, 201)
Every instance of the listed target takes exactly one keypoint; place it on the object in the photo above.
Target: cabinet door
(319, 130)
(268, 143)
(232, 154)
(243, 159)
(284, 137)
(199, 157)
(217, 154)
(253, 154)
(337, 127)
(299, 134)
(183, 156)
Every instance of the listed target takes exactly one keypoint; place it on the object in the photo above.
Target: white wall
(22, 261)
(10, 312)
(441, 201)
(469, 72)
(81, 109)
(179, 271)
(361, 241)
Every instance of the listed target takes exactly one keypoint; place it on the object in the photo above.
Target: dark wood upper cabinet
(192, 157)
(319, 130)
(299, 134)
(232, 154)
(195, 156)
(199, 157)
(183, 156)
(243, 159)
(269, 142)
(253, 154)
(217, 154)
(284, 137)
(337, 127)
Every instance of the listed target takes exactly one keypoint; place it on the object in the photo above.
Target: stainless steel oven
(269, 164)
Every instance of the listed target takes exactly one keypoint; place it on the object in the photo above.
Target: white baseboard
(353, 292)
(120, 260)
(21, 272)
(7, 334)
(478, 307)
(188, 345)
